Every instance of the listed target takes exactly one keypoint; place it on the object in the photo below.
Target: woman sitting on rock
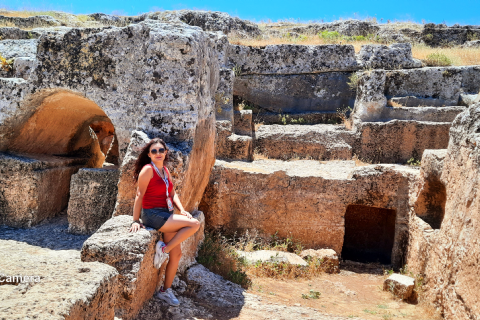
(156, 196)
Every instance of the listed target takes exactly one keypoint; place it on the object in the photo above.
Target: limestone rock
(93, 193)
(266, 195)
(30, 22)
(328, 257)
(271, 257)
(34, 187)
(472, 44)
(349, 27)
(231, 146)
(322, 92)
(43, 283)
(213, 285)
(395, 56)
(401, 140)
(321, 142)
(210, 21)
(13, 33)
(371, 99)
(126, 184)
(23, 66)
(243, 123)
(18, 48)
(292, 59)
(132, 255)
(224, 95)
(400, 285)
(191, 245)
(441, 35)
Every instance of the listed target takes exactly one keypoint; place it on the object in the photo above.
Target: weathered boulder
(93, 193)
(243, 123)
(55, 284)
(30, 22)
(209, 21)
(18, 48)
(191, 245)
(34, 187)
(323, 92)
(441, 35)
(401, 286)
(320, 142)
(328, 257)
(292, 59)
(395, 56)
(271, 256)
(312, 198)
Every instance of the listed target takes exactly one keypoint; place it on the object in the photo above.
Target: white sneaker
(160, 256)
(168, 297)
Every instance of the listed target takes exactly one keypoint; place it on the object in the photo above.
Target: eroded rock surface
(395, 56)
(59, 285)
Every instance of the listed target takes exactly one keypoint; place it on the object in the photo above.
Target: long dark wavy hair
(144, 159)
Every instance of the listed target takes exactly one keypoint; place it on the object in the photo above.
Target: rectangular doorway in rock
(369, 234)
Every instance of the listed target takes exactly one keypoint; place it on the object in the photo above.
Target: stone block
(370, 100)
(328, 257)
(320, 142)
(295, 93)
(39, 283)
(93, 193)
(401, 286)
(271, 256)
(243, 123)
(131, 254)
(434, 86)
(292, 59)
(394, 56)
(401, 140)
(224, 95)
(351, 27)
(240, 147)
(471, 44)
(34, 187)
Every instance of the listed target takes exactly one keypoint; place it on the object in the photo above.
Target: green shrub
(329, 35)
(437, 59)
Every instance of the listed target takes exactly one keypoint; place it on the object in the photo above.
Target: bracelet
(136, 221)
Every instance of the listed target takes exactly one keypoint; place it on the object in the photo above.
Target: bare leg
(183, 226)
(172, 266)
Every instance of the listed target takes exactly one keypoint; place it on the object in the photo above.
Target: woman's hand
(136, 226)
(187, 214)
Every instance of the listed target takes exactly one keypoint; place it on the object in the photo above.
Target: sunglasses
(154, 151)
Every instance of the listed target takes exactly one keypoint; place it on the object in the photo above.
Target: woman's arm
(178, 204)
(143, 179)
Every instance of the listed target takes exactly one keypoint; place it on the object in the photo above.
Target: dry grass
(394, 104)
(361, 162)
(26, 13)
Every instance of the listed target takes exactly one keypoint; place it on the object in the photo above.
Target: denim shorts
(156, 217)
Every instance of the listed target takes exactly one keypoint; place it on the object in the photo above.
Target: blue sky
(463, 12)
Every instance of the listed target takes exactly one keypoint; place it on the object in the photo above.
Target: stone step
(320, 142)
(433, 114)
(394, 141)
(307, 200)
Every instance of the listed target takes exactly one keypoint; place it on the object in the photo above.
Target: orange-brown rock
(449, 257)
(308, 201)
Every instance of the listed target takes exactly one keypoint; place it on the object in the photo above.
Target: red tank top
(156, 196)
